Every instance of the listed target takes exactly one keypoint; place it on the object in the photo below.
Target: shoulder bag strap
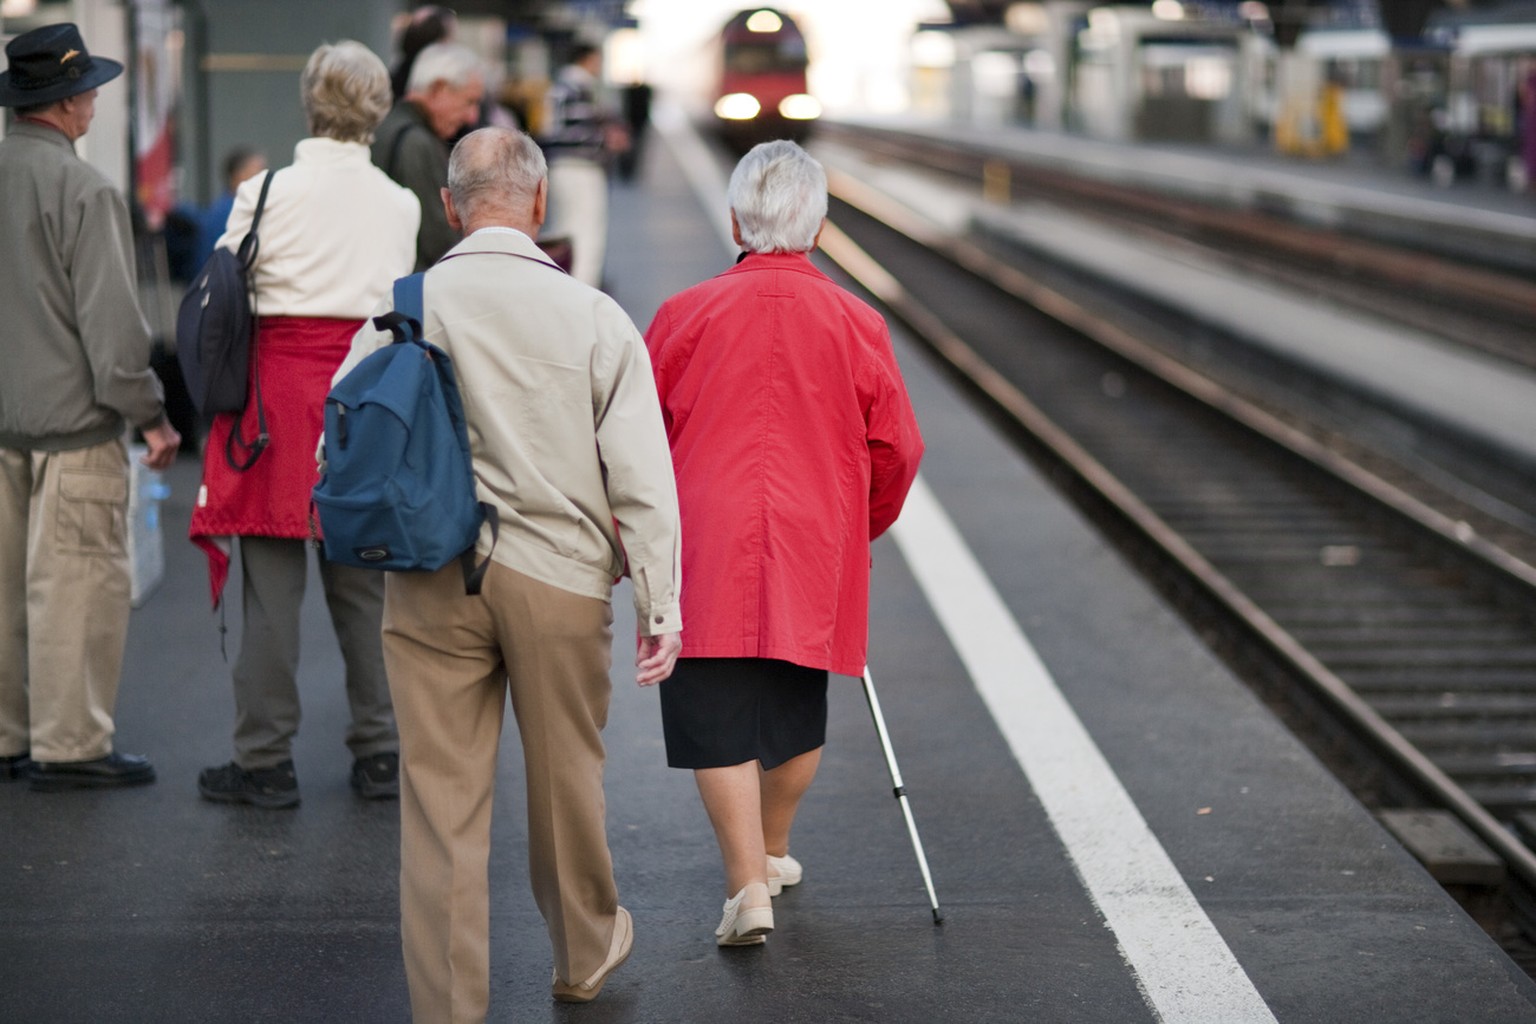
(250, 246)
(410, 309)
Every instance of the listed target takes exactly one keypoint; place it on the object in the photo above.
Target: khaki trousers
(452, 661)
(64, 586)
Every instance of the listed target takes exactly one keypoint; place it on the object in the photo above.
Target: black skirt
(717, 712)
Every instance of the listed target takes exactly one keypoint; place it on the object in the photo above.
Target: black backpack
(215, 337)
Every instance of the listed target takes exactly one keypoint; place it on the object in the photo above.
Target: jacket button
(659, 620)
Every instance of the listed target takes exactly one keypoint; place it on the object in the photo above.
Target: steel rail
(1004, 396)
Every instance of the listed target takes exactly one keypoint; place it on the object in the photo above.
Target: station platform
(1441, 389)
(1118, 830)
(1356, 194)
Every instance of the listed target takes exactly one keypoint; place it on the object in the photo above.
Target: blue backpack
(398, 491)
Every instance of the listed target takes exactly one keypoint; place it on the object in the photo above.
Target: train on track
(760, 91)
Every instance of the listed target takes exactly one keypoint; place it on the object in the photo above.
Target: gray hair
(494, 167)
(779, 194)
(345, 90)
(450, 63)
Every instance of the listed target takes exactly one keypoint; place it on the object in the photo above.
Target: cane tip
(938, 918)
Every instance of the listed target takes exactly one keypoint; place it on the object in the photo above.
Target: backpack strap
(404, 321)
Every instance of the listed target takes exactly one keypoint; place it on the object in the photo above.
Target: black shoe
(377, 777)
(264, 787)
(15, 767)
(102, 773)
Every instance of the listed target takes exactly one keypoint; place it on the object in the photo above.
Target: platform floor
(1118, 830)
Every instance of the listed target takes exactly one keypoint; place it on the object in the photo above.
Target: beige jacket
(564, 425)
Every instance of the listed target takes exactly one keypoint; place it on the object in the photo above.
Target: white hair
(779, 195)
(449, 63)
(494, 167)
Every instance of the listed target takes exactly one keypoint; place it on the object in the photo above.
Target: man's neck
(502, 224)
(46, 120)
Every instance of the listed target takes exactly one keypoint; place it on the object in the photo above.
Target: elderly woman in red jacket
(794, 445)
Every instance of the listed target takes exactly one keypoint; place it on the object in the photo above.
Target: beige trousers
(64, 587)
(452, 662)
(578, 209)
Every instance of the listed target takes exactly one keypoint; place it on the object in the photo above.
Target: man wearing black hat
(76, 353)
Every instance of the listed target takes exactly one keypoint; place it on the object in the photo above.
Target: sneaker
(783, 872)
(744, 924)
(264, 787)
(377, 776)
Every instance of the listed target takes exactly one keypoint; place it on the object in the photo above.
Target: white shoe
(746, 923)
(619, 946)
(782, 873)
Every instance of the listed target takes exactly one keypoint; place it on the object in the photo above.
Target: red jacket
(794, 445)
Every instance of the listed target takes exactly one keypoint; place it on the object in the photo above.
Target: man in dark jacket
(77, 373)
(442, 97)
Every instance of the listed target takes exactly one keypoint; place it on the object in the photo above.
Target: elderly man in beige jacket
(567, 441)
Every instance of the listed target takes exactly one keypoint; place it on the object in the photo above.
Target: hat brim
(103, 70)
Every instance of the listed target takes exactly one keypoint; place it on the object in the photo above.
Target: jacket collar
(25, 129)
(512, 242)
(798, 262)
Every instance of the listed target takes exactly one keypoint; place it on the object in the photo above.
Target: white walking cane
(900, 790)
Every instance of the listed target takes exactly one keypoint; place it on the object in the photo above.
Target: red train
(762, 93)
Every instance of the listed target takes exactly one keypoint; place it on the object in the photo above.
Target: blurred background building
(1435, 87)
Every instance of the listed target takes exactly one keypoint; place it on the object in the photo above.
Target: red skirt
(297, 357)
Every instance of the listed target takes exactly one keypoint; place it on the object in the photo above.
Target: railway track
(1404, 611)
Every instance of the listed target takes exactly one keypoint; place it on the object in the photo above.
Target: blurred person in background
(580, 133)
(794, 445)
(335, 233)
(1527, 124)
(240, 163)
(76, 375)
(424, 26)
(442, 97)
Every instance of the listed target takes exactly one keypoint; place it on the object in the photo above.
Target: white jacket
(335, 232)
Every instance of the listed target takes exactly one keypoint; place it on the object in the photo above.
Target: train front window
(766, 57)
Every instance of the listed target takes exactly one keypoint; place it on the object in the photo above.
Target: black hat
(50, 63)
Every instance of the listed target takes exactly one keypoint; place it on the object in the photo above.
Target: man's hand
(163, 442)
(655, 656)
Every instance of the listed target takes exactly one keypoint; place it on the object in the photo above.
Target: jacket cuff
(661, 618)
(158, 421)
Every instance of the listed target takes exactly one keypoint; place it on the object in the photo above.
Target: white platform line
(1184, 967)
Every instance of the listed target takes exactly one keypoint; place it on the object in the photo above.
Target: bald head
(496, 178)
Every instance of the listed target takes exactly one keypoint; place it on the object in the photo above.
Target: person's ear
(452, 212)
(540, 203)
(817, 240)
(736, 231)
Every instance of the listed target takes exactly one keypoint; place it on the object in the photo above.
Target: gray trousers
(266, 672)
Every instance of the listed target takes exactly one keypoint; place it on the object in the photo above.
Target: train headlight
(738, 106)
(800, 107)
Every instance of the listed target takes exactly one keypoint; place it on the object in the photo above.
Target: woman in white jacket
(334, 234)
